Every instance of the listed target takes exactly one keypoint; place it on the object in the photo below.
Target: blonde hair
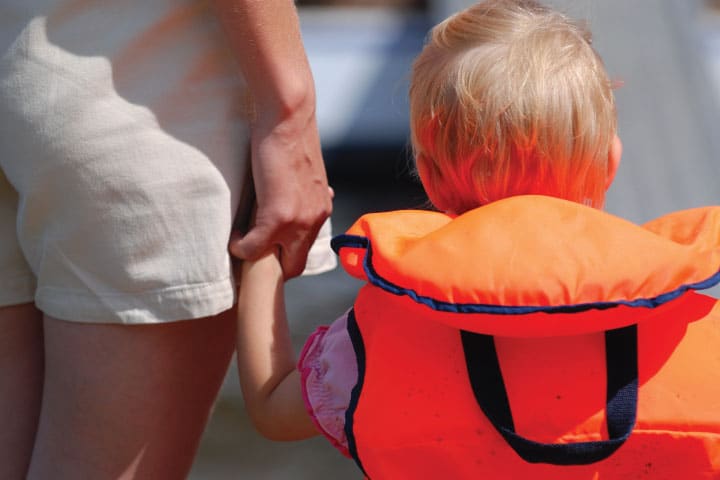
(508, 97)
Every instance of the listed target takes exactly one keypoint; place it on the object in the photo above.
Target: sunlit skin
(289, 174)
(266, 362)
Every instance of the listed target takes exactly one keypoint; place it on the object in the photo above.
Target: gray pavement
(667, 54)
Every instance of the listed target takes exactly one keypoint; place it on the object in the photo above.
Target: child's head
(508, 97)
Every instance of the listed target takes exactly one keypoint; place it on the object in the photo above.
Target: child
(522, 332)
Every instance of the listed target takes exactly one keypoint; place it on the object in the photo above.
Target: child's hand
(267, 265)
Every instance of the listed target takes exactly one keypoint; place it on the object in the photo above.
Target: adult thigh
(128, 401)
(21, 374)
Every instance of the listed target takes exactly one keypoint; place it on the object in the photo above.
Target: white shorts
(117, 194)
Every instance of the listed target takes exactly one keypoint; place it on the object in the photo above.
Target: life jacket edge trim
(357, 342)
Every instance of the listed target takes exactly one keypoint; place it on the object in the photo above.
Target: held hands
(293, 197)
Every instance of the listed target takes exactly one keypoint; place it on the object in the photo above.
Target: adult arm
(269, 379)
(291, 186)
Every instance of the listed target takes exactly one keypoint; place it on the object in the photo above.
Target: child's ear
(614, 157)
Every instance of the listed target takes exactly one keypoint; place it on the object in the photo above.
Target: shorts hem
(172, 304)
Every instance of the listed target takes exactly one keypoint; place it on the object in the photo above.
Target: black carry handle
(622, 385)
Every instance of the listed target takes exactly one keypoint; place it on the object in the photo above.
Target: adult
(124, 132)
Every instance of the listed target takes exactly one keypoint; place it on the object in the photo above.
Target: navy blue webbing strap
(621, 400)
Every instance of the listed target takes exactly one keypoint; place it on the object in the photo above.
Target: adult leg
(128, 401)
(21, 377)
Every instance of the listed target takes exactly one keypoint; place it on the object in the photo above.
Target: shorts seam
(84, 293)
(169, 304)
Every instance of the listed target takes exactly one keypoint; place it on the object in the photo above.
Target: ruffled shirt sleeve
(328, 369)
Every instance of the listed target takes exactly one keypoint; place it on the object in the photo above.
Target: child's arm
(266, 362)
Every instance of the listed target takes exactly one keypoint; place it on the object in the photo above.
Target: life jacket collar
(534, 255)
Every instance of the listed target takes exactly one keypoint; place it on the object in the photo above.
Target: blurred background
(666, 53)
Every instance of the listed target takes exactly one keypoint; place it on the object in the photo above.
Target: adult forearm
(266, 39)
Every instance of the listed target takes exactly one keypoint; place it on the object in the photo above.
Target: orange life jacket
(535, 338)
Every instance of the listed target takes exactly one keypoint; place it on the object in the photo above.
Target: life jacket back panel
(416, 417)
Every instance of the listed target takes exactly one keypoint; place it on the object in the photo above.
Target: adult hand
(293, 198)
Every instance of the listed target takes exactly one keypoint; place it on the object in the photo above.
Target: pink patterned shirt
(328, 368)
